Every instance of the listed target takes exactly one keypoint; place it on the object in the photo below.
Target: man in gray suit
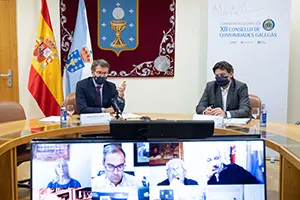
(225, 96)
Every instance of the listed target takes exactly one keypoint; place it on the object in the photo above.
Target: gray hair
(101, 63)
(112, 148)
(176, 160)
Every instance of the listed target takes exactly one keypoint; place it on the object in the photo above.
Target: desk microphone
(114, 103)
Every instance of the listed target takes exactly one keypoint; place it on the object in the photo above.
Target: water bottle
(263, 116)
(63, 115)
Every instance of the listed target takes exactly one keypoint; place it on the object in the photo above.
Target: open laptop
(227, 169)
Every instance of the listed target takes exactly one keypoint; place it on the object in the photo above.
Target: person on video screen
(220, 173)
(176, 173)
(114, 165)
(62, 179)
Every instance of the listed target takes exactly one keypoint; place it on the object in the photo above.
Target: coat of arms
(118, 25)
(44, 51)
(76, 60)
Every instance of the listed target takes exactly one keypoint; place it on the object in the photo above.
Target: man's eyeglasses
(101, 73)
(111, 168)
(215, 158)
(178, 170)
(222, 75)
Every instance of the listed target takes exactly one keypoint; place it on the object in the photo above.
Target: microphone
(114, 103)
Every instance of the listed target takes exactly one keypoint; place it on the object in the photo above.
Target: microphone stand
(118, 114)
(118, 111)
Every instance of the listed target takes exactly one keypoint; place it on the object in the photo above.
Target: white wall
(294, 70)
(162, 95)
(28, 16)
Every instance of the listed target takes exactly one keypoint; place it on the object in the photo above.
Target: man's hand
(109, 110)
(121, 89)
(218, 112)
(208, 111)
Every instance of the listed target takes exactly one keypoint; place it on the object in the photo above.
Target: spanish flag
(45, 81)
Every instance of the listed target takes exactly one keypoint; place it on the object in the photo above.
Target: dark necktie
(99, 95)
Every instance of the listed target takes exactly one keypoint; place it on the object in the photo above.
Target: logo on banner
(77, 60)
(44, 51)
(118, 25)
(268, 24)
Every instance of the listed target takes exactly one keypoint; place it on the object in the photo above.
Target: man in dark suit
(225, 96)
(95, 94)
(176, 174)
(219, 173)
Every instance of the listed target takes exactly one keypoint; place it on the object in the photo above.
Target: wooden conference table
(283, 138)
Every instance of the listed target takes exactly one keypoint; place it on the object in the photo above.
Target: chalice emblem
(118, 25)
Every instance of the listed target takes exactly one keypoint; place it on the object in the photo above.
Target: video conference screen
(193, 170)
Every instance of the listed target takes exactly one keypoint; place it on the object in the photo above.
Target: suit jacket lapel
(93, 91)
(230, 93)
(104, 89)
(218, 100)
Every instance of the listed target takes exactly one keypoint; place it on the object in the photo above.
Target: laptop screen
(104, 170)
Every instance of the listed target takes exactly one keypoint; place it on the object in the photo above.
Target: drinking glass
(70, 111)
(255, 113)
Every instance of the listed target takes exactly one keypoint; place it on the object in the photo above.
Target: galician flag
(80, 58)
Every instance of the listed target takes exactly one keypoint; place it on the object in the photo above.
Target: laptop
(211, 168)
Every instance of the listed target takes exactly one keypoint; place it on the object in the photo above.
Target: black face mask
(222, 81)
(100, 80)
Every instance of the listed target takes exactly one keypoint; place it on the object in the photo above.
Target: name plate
(219, 120)
(95, 118)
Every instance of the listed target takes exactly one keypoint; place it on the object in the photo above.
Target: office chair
(71, 100)
(12, 111)
(255, 102)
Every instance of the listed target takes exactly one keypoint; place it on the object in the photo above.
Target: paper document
(238, 121)
(217, 119)
(51, 119)
(95, 118)
(130, 116)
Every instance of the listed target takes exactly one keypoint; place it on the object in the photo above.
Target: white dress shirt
(224, 92)
(102, 181)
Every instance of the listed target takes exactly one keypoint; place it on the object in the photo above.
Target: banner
(80, 58)
(45, 83)
(254, 36)
(136, 37)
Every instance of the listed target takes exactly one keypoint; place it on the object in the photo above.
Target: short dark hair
(100, 62)
(112, 148)
(223, 65)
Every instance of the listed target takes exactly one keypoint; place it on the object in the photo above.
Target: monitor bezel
(164, 140)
